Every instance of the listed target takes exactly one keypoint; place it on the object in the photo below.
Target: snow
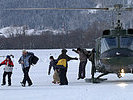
(12, 30)
(43, 89)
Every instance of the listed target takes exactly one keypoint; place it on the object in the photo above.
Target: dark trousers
(9, 77)
(26, 76)
(63, 77)
(93, 69)
(82, 69)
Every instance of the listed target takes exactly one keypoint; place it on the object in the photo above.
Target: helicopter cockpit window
(126, 42)
(108, 43)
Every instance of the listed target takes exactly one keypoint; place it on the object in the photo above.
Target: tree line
(48, 40)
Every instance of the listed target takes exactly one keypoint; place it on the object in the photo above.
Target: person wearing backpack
(62, 66)
(25, 61)
(7, 70)
(83, 61)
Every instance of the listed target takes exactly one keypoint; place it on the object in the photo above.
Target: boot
(22, 84)
(3, 84)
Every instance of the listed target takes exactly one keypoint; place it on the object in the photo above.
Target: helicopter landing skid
(95, 80)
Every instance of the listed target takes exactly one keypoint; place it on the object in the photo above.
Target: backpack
(33, 59)
(87, 53)
(62, 64)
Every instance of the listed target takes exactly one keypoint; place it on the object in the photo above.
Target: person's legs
(65, 77)
(61, 75)
(9, 78)
(82, 66)
(83, 69)
(80, 70)
(93, 70)
(4, 78)
(56, 77)
(26, 76)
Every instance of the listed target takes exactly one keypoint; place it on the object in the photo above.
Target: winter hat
(64, 51)
(23, 51)
(8, 57)
(78, 49)
(51, 57)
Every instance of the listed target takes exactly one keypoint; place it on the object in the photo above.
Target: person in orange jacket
(7, 70)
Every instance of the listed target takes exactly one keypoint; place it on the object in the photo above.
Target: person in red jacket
(7, 70)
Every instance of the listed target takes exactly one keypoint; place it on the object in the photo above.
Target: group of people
(25, 61)
(60, 65)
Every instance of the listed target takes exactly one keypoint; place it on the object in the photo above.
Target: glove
(21, 62)
(48, 73)
(12, 56)
(73, 50)
(76, 58)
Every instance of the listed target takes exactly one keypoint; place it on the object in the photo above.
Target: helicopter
(113, 50)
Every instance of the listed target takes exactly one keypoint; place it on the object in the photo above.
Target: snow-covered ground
(12, 30)
(43, 89)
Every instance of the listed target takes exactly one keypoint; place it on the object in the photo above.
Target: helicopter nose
(121, 52)
(118, 57)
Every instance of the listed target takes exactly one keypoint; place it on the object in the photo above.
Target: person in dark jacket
(56, 75)
(83, 61)
(7, 70)
(26, 63)
(63, 65)
(92, 59)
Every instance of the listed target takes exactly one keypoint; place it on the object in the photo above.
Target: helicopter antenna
(118, 9)
(113, 25)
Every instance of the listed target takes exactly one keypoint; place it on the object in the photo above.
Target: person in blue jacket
(25, 63)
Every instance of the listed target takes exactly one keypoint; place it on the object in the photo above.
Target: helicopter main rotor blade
(129, 9)
(10, 9)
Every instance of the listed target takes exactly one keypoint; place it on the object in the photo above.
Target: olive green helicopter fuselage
(114, 51)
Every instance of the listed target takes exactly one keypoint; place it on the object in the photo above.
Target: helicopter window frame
(98, 45)
(108, 45)
(126, 44)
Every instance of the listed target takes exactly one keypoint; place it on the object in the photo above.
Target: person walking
(83, 61)
(56, 74)
(7, 70)
(62, 65)
(25, 61)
